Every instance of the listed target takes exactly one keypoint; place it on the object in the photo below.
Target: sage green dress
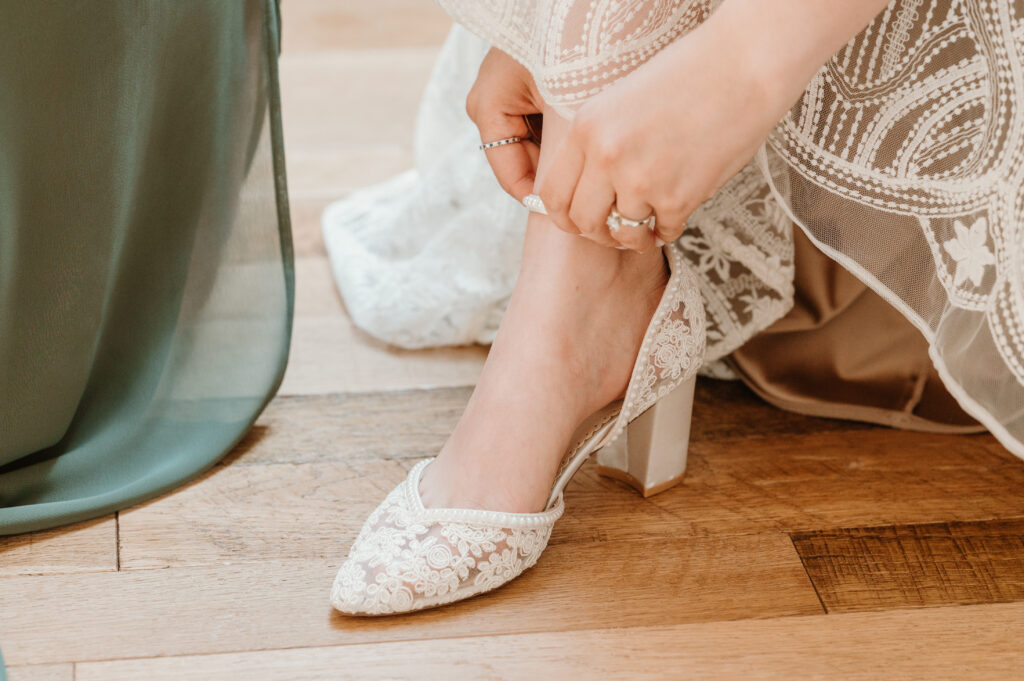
(146, 275)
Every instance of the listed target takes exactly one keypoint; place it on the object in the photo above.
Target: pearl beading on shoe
(639, 395)
(408, 557)
(472, 516)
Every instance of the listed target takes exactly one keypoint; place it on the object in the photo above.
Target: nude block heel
(409, 556)
(651, 454)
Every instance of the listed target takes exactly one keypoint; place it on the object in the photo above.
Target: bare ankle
(555, 258)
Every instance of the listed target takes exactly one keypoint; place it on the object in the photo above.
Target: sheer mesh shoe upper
(408, 557)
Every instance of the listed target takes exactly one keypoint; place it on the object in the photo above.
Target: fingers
(515, 165)
(556, 184)
(670, 222)
(592, 201)
(637, 238)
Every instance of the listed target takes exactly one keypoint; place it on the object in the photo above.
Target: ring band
(501, 143)
(616, 221)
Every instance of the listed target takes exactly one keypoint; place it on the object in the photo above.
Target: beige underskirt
(843, 352)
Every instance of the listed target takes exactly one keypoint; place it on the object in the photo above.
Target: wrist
(778, 46)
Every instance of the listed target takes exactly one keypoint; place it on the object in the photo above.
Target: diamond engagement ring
(501, 143)
(616, 221)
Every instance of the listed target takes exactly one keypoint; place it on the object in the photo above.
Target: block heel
(651, 455)
(409, 556)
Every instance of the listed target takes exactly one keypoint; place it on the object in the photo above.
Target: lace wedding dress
(903, 161)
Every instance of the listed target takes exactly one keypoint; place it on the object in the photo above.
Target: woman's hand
(663, 139)
(503, 93)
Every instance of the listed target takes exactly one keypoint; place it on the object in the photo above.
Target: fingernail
(534, 203)
(658, 242)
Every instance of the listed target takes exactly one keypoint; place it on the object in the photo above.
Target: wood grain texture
(42, 672)
(351, 99)
(256, 513)
(401, 424)
(315, 292)
(322, 463)
(349, 121)
(282, 511)
(956, 643)
(283, 604)
(729, 410)
(321, 25)
(329, 355)
(89, 546)
(228, 577)
(873, 568)
(831, 479)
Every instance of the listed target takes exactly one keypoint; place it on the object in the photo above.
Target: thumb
(514, 165)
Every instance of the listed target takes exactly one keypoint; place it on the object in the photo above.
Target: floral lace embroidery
(407, 557)
(914, 127)
(405, 560)
(395, 246)
(970, 251)
(673, 348)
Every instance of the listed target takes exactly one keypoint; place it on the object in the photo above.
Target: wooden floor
(798, 548)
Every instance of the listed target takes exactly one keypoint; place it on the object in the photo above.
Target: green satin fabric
(146, 270)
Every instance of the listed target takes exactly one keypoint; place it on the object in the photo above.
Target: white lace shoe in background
(408, 557)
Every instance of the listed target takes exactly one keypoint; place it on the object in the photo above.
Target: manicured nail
(534, 203)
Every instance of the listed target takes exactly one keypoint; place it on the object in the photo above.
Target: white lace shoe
(408, 557)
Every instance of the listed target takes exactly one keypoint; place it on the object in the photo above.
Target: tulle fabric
(903, 160)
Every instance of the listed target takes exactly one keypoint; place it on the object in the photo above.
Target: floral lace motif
(909, 170)
(394, 247)
(673, 349)
(908, 136)
(407, 557)
(969, 249)
(576, 48)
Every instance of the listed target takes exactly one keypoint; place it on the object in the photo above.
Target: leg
(565, 349)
